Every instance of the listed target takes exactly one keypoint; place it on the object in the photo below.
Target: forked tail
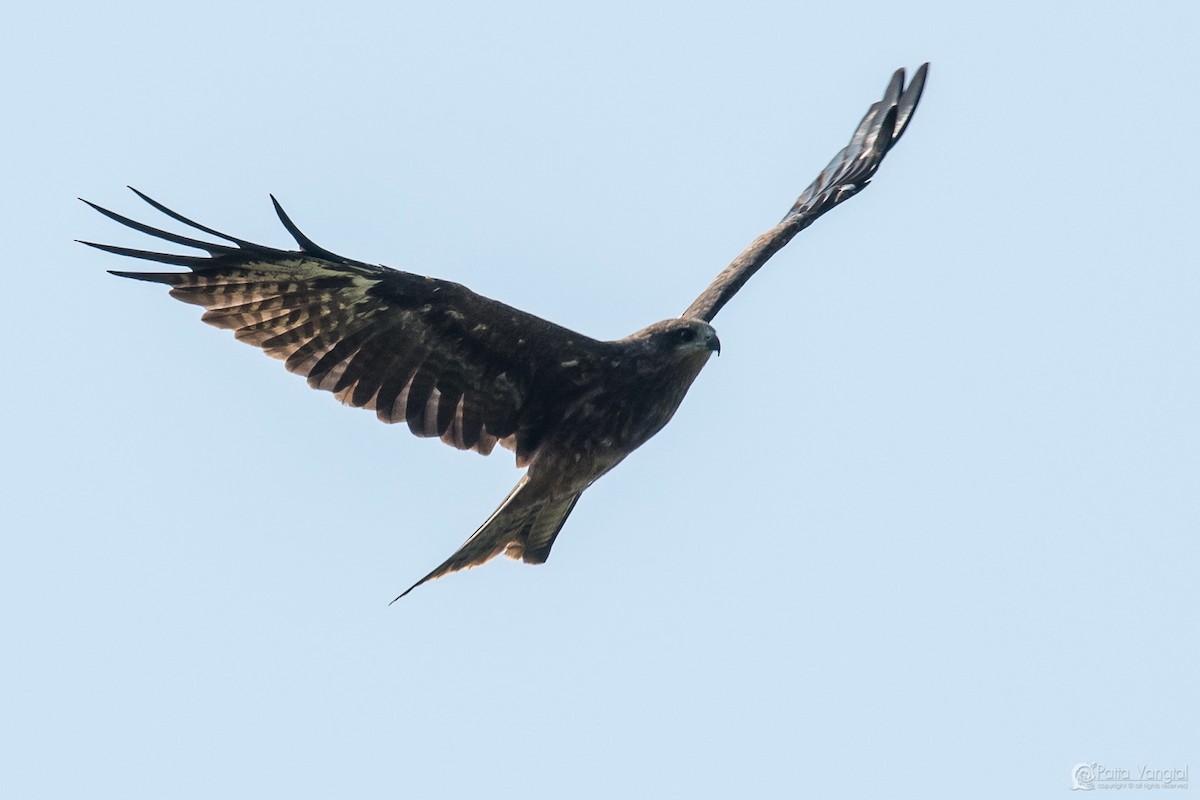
(524, 526)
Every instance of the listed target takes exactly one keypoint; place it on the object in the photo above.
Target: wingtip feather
(212, 248)
(907, 104)
(306, 244)
(895, 86)
(168, 278)
(175, 215)
(191, 262)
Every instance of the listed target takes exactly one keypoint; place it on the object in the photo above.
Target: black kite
(473, 371)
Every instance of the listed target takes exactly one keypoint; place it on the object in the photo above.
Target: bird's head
(679, 337)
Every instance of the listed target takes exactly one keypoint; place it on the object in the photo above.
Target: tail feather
(524, 526)
(540, 536)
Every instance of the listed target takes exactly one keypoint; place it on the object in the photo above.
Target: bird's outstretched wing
(846, 175)
(446, 360)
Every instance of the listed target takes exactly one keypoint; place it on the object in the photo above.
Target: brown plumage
(475, 372)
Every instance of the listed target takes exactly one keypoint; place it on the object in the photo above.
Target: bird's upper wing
(846, 175)
(450, 362)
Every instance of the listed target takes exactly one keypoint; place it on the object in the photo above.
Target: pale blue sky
(927, 528)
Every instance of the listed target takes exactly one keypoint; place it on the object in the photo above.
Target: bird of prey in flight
(476, 372)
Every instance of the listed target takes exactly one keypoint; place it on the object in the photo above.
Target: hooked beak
(714, 344)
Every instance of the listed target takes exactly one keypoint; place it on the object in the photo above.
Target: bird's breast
(607, 421)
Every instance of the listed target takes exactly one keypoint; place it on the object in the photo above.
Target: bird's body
(639, 383)
(475, 372)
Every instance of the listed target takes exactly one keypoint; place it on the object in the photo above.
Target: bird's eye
(686, 335)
